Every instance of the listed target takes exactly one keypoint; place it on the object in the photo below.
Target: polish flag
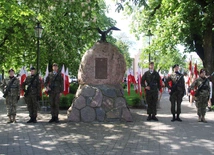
(195, 70)
(46, 73)
(23, 75)
(139, 82)
(66, 81)
(190, 68)
(63, 75)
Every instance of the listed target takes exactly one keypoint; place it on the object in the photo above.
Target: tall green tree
(172, 22)
(69, 30)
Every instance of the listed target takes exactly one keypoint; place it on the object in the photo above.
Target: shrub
(66, 101)
(136, 101)
(73, 88)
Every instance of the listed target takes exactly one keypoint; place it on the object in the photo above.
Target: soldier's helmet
(176, 65)
(201, 71)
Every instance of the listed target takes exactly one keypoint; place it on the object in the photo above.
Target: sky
(123, 24)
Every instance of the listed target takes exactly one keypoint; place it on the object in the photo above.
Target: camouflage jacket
(34, 86)
(178, 80)
(205, 90)
(15, 87)
(55, 83)
(151, 79)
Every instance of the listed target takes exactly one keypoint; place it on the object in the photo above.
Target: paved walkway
(139, 137)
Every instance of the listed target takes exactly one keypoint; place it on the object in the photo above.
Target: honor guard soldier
(11, 90)
(32, 88)
(176, 91)
(151, 82)
(201, 94)
(54, 85)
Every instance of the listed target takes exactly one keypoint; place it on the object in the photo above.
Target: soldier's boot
(149, 118)
(199, 118)
(154, 118)
(178, 118)
(14, 118)
(203, 119)
(30, 120)
(34, 120)
(56, 119)
(9, 119)
(52, 119)
(173, 118)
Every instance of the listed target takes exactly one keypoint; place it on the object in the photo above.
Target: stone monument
(100, 94)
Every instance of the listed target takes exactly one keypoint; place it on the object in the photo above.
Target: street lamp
(38, 34)
(149, 34)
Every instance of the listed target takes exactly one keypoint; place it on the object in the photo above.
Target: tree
(124, 49)
(173, 22)
(69, 30)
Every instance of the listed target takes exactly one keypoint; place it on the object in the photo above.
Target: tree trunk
(208, 49)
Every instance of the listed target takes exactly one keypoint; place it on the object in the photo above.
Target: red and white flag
(23, 75)
(63, 75)
(131, 80)
(139, 81)
(196, 70)
(46, 73)
(66, 81)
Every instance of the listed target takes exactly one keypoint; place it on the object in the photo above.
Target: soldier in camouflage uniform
(151, 82)
(201, 95)
(54, 85)
(13, 95)
(32, 88)
(176, 90)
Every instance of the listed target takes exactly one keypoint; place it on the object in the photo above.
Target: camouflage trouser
(54, 103)
(176, 97)
(32, 105)
(151, 99)
(11, 102)
(201, 104)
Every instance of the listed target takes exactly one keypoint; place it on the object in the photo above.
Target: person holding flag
(151, 83)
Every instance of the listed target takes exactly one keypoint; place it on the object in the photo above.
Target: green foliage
(69, 30)
(136, 101)
(173, 22)
(66, 101)
(124, 48)
(73, 88)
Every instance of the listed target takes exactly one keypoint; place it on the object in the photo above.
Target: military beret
(201, 71)
(151, 63)
(32, 68)
(55, 64)
(176, 65)
(11, 70)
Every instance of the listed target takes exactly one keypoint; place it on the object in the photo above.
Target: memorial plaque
(100, 68)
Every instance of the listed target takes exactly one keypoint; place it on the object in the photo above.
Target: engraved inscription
(100, 68)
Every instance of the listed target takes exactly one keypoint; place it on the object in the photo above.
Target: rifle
(8, 88)
(31, 82)
(174, 87)
(201, 86)
(51, 86)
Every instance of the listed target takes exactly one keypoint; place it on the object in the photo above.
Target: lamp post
(38, 35)
(149, 35)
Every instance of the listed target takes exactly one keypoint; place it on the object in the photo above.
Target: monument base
(103, 103)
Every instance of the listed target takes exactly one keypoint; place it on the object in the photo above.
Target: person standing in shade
(54, 85)
(32, 88)
(151, 83)
(202, 94)
(176, 91)
(11, 90)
